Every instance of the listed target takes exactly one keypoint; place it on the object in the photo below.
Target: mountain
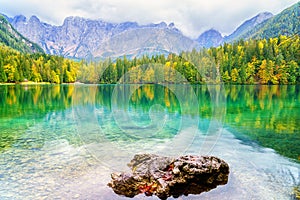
(7, 18)
(263, 25)
(84, 38)
(247, 26)
(213, 38)
(210, 38)
(135, 42)
(286, 22)
(12, 38)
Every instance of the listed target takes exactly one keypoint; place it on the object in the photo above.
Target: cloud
(192, 17)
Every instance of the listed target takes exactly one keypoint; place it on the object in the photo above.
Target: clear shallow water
(63, 142)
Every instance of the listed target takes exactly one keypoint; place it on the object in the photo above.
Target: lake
(64, 141)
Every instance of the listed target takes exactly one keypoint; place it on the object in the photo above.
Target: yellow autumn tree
(234, 75)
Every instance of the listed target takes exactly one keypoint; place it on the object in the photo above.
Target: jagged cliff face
(85, 38)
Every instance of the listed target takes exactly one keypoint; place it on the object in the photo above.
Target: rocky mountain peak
(34, 19)
(171, 25)
(210, 38)
(73, 20)
(19, 19)
(162, 25)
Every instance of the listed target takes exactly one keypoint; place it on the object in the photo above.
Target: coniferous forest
(265, 61)
(18, 67)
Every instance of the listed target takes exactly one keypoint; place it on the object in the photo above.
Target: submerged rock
(166, 177)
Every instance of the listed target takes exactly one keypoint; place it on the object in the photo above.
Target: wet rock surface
(165, 176)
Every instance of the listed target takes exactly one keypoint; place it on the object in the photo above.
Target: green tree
(3, 77)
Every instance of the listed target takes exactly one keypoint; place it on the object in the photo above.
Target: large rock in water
(166, 177)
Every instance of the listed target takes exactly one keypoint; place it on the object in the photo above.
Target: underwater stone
(166, 176)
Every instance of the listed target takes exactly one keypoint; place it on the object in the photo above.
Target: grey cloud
(191, 16)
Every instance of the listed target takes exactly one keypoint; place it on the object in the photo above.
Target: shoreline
(80, 83)
(27, 83)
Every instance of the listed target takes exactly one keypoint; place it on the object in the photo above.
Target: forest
(18, 67)
(266, 61)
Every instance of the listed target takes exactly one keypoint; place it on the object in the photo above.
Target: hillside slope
(12, 38)
(286, 22)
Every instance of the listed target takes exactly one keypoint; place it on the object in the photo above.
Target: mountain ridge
(248, 25)
(80, 37)
(12, 38)
(284, 23)
(84, 38)
(210, 38)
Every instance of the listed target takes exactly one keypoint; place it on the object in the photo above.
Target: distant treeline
(18, 67)
(267, 61)
(272, 61)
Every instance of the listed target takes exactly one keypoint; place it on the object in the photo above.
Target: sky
(192, 17)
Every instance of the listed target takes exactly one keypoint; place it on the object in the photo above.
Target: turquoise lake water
(64, 141)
